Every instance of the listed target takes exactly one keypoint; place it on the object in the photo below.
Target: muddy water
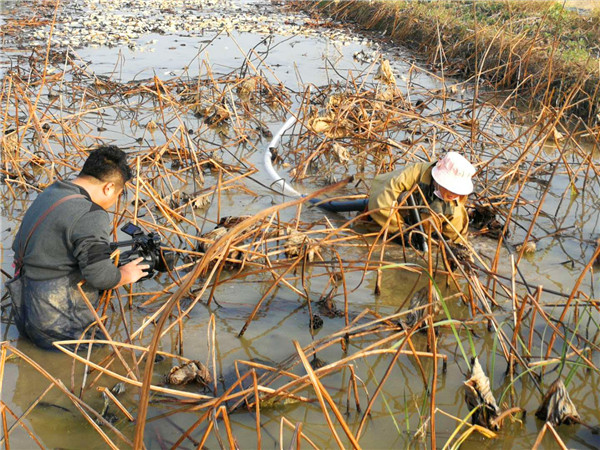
(296, 61)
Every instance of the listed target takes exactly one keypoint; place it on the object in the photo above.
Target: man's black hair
(107, 162)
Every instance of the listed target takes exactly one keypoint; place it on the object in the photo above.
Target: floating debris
(529, 248)
(217, 115)
(483, 218)
(180, 199)
(151, 126)
(321, 124)
(9, 145)
(386, 94)
(479, 395)
(246, 88)
(364, 57)
(233, 257)
(230, 221)
(317, 363)
(557, 407)
(327, 305)
(88, 23)
(341, 153)
(110, 417)
(385, 73)
(106, 414)
(211, 237)
(316, 323)
(192, 371)
(381, 132)
(118, 388)
(463, 255)
(296, 240)
(417, 308)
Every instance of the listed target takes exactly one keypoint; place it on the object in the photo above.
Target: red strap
(22, 248)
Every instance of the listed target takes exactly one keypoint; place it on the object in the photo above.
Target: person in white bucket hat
(443, 186)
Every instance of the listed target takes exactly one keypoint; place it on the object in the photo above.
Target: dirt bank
(546, 54)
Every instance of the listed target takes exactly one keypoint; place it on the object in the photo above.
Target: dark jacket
(73, 239)
(71, 244)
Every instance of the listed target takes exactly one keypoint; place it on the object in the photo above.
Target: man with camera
(65, 238)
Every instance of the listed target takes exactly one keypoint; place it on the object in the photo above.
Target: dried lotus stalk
(151, 126)
(192, 371)
(478, 394)
(557, 407)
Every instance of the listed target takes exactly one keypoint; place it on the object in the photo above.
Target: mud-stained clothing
(71, 243)
(73, 238)
(389, 187)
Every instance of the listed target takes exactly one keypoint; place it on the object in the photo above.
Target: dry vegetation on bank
(549, 53)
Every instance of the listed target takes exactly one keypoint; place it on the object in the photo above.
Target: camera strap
(18, 261)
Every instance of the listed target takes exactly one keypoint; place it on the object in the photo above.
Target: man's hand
(132, 271)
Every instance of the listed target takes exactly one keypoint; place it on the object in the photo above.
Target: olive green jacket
(388, 187)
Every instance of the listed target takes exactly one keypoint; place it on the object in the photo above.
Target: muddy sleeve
(407, 179)
(457, 227)
(385, 190)
(91, 247)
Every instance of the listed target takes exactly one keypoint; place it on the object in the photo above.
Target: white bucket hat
(454, 172)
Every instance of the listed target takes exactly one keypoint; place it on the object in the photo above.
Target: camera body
(146, 246)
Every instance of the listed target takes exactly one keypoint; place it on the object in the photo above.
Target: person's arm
(91, 248)
(407, 178)
(457, 232)
(386, 189)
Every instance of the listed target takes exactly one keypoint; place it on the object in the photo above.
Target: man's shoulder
(64, 188)
(60, 189)
(75, 212)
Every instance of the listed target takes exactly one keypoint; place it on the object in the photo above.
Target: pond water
(308, 67)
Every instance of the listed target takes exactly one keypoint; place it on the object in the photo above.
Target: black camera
(147, 246)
